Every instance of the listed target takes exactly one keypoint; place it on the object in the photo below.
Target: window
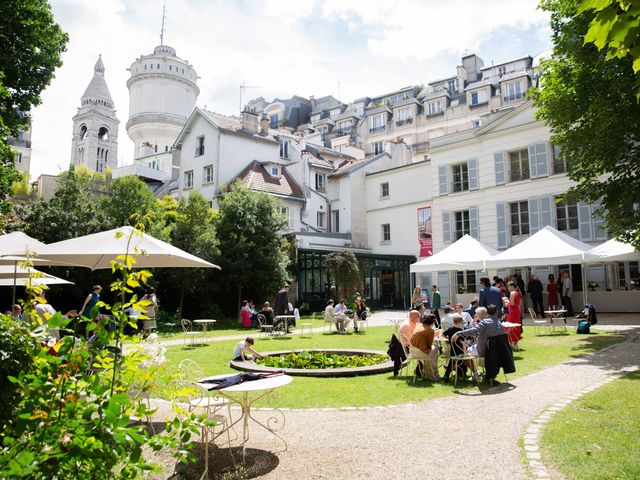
(188, 179)
(376, 123)
(476, 124)
(273, 121)
(452, 85)
(207, 174)
(83, 132)
(170, 68)
(321, 180)
(275, 171)
(519, 165)
(502, 70)
(435, 108)
(346, 126)
(478, 97)
(386, 232)
(466, 281)
(629, 275)
(567, 215)
(18, 157)
(200, 145)
(285, 213)
(559, 163)
(103, 134)
(519, 218)
(321, 219)
(462, 224)
(461, 177)
(384, 189)
(377, 148)
(404, 116)
(513, 91)
(335, 221)
(284, 148)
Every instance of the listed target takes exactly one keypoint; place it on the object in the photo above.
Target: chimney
(249, 121)
(264, 126)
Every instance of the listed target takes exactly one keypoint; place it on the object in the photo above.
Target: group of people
(249, 315)
(342, 316)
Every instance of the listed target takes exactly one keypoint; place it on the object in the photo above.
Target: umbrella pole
(15, 274)
(584, 286)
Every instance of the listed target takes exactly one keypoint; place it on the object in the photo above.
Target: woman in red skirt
(514, 315)
(552, 289)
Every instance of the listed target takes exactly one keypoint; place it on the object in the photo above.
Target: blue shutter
(446, 227)
(501, 173)
(533, 162)
(534, 215)
(546, 209)
(474, 230)
(443, 179)
(585, 230)
(501, 213)
(472, 166)
(542, 157)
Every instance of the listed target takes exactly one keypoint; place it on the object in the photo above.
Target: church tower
(95, 126)
(162, 95)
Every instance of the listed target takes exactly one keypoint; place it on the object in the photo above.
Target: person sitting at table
(486, 327)
(342, 321)
(267, 311)
(456, 348)
(471, 309)
(408, 326)
(330, 312)
(447, 321)
(243, 346)
(245, 314)
(466, 317)
(422, 339)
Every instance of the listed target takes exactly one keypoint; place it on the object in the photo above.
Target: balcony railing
(420, 147)
(513, 98)
(406, 121)
(377, 129)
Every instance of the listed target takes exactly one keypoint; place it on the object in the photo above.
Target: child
(243, 346)
(457, 348)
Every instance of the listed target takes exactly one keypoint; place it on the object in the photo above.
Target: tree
(31, 47)
(587, 99)
(251, 254)
(343, 267)
(129, 196)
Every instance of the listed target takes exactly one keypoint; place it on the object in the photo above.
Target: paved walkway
(472, 434)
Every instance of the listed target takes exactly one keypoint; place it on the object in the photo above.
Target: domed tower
(95, 126)
(162, 94)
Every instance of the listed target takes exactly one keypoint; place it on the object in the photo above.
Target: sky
(345, 48)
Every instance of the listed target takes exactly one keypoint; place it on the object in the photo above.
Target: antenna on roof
(164, 11)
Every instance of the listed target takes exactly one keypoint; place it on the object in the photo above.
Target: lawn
(596, 437)
(382, 389)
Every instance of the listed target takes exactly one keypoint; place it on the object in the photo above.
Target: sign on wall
(424, 232)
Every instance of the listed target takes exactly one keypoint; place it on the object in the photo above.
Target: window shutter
(543, 159)
(599, 233)
(585, 231)
(533, 162)
(290, 217)
(546, 209)
(472, 166)
(443, 179)
(501, 211)
(534, 215)
(501, 173)
(443, 287)
(446, 227)
(473, 223)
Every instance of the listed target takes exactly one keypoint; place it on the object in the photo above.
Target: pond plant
(317, 360)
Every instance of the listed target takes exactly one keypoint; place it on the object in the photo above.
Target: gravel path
(418, 440)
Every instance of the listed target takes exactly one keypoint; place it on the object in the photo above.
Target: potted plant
(462, 289)
(593, 285)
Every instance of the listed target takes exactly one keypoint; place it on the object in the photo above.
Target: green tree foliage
(128, 196)
(587, 98)
(252, 257)
(616, 28)
(30, 47)
(14, 358)
(73, 211)
(343, 267)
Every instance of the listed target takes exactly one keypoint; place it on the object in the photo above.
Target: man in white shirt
(567, 290)
(340, 312)
(241, 349)
(466, 317)
(447, 321)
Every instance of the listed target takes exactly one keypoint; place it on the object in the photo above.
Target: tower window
(103, 133)
(83, 132)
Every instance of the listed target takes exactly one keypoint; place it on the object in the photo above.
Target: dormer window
(435, 108)
(284, 148)
(275, 171)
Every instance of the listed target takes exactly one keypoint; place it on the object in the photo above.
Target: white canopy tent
(465, 254)
(96, 251)
(545, 247)
(611, 251)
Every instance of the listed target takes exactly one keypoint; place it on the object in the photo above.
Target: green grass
(382, 389)
(596, 437)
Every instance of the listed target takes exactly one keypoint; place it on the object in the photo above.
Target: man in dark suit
(489, 295)
(281, 306)
(535, 290)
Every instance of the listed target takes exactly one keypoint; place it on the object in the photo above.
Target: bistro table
(246, 394)
(508, 326)
(557, 315)
(205, 323)
(284, 320)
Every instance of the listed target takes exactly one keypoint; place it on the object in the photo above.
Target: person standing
(435, 303)
(535, 292)
(517, 278)
(361, 312)
(513, 315)
(281, 305)
(416, 298)
(489, 295)
(92, 299)
(567, 290)
(552, 290)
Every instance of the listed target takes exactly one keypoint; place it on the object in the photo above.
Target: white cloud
(303, 47)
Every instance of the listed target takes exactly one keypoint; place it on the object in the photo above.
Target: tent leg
(584, 286)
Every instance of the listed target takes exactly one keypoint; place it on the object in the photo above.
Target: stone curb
(532, 435)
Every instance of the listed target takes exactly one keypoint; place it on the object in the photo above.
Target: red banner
(424, 232)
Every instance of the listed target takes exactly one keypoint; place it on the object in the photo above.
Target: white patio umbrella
(96, 251)
(545, 247)
(12, 276)
(465, 254)
(611, 251)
